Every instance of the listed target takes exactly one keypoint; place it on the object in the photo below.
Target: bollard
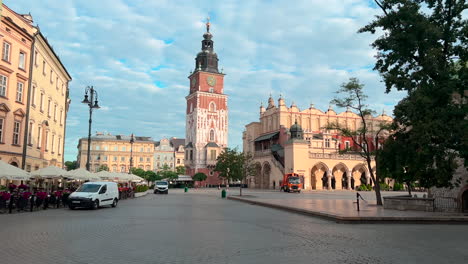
(223, 193)
(357, 201)
(185, 189)
(31, 199)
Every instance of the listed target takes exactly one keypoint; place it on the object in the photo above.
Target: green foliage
(180, 170)
(141, 188)
(167, 173)
(398, 187)
(151, 176)
(424, 51)
(364, 187)
(234, 165)
(384, 187)
(71, 165)
(138, 172)
(103, 168)
(200, 176)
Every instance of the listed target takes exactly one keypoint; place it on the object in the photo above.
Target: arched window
(191, 107)
(212, 135)
(212, 107)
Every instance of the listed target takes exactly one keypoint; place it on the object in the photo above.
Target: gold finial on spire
(208, 24)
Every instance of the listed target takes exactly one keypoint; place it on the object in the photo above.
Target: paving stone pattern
(200, 227)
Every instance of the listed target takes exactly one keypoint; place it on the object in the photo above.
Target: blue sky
(138, 54)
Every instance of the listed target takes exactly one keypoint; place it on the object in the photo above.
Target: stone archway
(257, 180)
(266, 175)
(360, 175)
(463, 198)
(319, 176)
(340, 175)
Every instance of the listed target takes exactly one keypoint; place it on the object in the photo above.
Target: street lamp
(93, 97)
(132, 139)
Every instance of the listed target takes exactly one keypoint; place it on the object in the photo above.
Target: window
(22, 60)
(55, 112)
(148, 160)
(178, 161)
(48, 108)
(116, 148)
(56, 83)
(122, 159)
(51, 76)
(141, 159)
(16, 133)
(30, 133)
(43, 67)
(39, 136)
(212, 107)
(327, 142)
(158, 157)
(148, 150)
(115, 158)
(53, 143)
(3, 85)
(35, 58)
(33, 96)
(346, 144)
(19, 92)
(47, 141)
(59, 149)
(213, 154)
(6, 51)
(1, 129)
(104, 158)
(97, 147)
(191, 154)
(124, 148)
(122, 169)
(141, 150)
(42, 103)
(211, 90)
(61, 121)
(211, 135)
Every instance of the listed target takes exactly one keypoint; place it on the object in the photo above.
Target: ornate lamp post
(93, 97)
(132, 139)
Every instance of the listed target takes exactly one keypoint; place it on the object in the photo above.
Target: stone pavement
(200, 227)
(341, 206)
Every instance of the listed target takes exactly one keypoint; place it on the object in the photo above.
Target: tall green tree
(151, 176)
(138, 172)
(234, 166)
(167, 173)
(180, 170)
(368, 136)
(424, 51)
(199, 177)
(71, 165)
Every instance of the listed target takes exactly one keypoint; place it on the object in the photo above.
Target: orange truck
(291, 183)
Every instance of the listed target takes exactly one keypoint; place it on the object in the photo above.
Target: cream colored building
(48, 109)
(169, 152)
(16, 41)
(114, 151)
(314, 154)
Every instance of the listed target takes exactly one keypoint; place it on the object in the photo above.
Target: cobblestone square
(200, 227)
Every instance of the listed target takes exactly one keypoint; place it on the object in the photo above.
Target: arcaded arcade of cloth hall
(287, 139)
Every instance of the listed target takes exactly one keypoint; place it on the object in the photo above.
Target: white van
(94, 194)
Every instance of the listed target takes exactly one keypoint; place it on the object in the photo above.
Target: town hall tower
(206, 113)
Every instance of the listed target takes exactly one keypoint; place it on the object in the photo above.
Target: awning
(266, 137)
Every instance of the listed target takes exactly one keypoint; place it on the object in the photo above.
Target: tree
(167, 173)
(234, 166)
(363, 137)
(151, 176)
(71, 165)
(138, 172)
(103, 168)
(424, 51)
(180, 170)
(199, 177)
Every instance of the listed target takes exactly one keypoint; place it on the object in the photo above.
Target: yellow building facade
(16, 40)
(315, 156)
(114, 151)
(48, 109)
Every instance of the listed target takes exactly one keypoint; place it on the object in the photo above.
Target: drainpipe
(28, 103)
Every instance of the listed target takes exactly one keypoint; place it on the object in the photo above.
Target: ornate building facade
(314, 153)
(206, 113)
(115, 151)
(169, 152)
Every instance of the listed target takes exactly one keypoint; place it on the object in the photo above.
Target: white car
(94, 194)
(161, 187)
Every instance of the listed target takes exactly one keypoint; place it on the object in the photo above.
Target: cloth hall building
(287, 139)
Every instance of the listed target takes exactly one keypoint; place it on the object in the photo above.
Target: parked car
(94, 194)
(161, 187)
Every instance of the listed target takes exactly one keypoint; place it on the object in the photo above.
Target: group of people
(26, 198)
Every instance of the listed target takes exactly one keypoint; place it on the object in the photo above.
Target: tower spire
(208, 24)
(207, 58)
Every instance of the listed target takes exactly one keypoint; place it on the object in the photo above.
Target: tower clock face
(211, 80)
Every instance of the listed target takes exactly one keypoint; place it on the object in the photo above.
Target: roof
(189, 145)
(212, 145)
(176, 142)
(108, 137)
(267, 136)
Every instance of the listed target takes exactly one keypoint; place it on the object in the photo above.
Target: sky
(138, 54)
